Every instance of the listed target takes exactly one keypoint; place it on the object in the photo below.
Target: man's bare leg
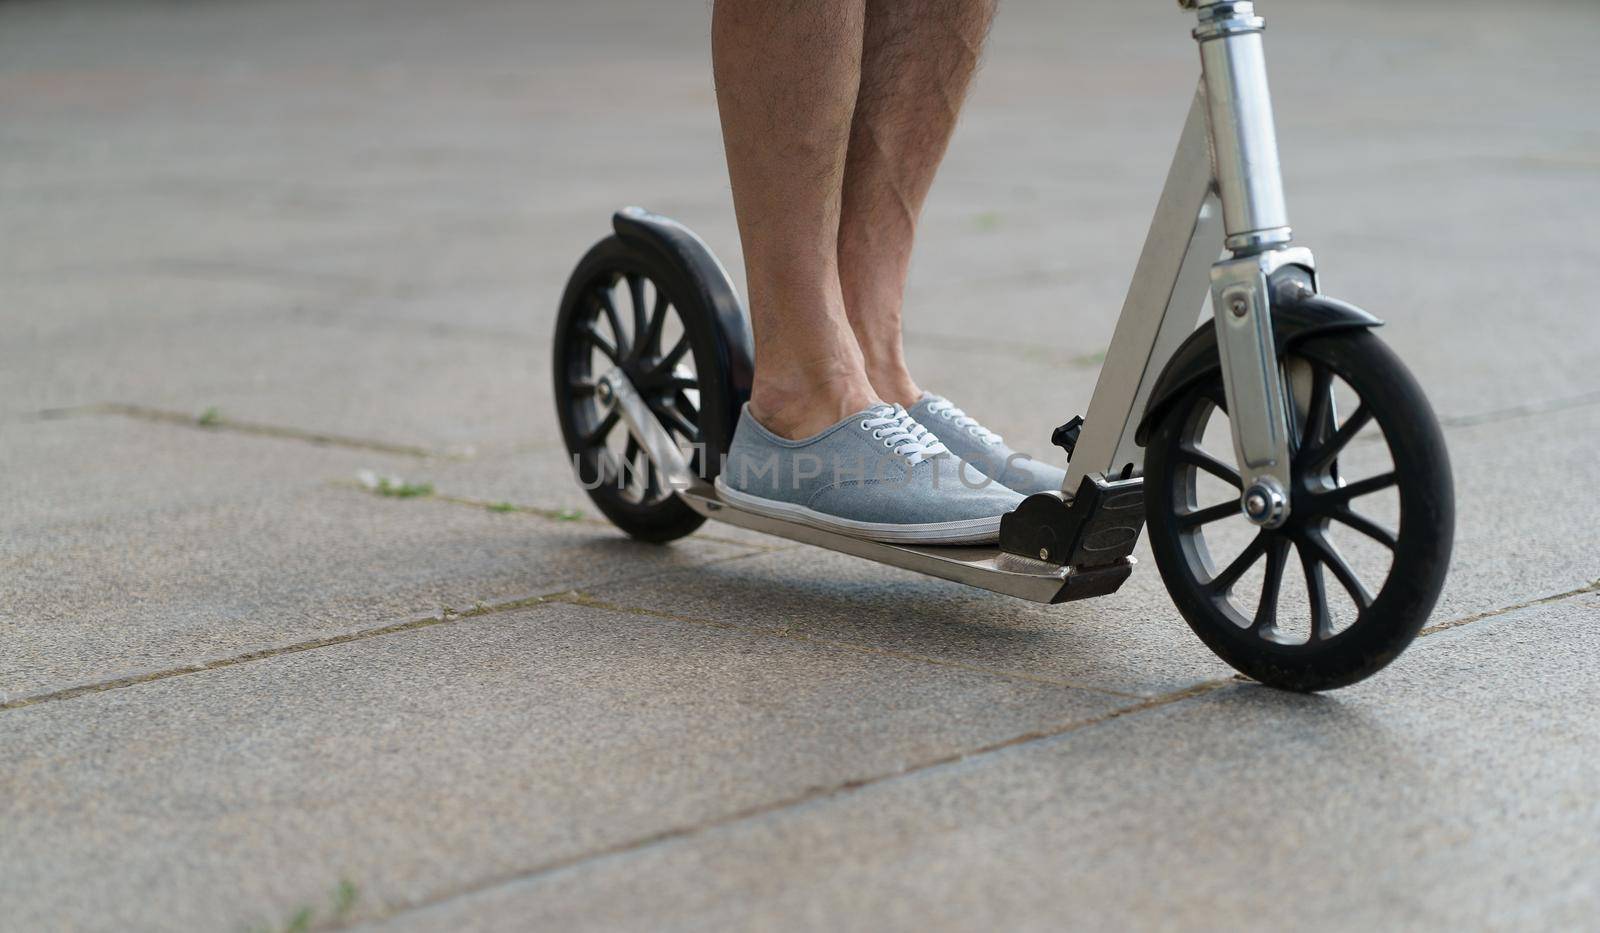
(918, 60)
(787, 73)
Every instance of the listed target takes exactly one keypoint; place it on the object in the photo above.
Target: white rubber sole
(969, 531)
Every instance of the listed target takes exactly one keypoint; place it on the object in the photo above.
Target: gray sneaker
(877, 474)
(983, 450)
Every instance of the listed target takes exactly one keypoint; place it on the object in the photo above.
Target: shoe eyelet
(886, 443)
(863, 425)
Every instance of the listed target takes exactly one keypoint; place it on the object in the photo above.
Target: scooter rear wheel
(625, 307)
(1358, 413)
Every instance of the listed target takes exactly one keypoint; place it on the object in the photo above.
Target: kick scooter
(653, 360)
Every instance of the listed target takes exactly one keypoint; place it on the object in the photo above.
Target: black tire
(617, 291)
(1254, 640)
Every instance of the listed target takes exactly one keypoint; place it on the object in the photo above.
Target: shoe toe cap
(1034, 477)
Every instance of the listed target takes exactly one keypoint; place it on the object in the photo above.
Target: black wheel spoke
(678, 383)
(1198, 458)
(1370, 485)
(1267, 609)
(674, 356)
(652, 481)
(1326, 552)
(581, 388)
(1230, 575)
(1366, 526)
(1319, 458)
(638, 465)
(686, 407)
(636, 291)
(602, 296)
(1320, 407)
(1317, 591)
(597, 436)
(675, 420)
(651, 341)
(1208, 515)
(590, 333)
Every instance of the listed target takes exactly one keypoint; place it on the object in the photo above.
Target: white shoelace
(901, 433)
(964, 421)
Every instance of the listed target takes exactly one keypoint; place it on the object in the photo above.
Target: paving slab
(417, 764)
(1455, 792)
(143, 547)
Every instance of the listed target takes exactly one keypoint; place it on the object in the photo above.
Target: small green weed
(403, 490)
(342, 901)
(209, 418)
(344, 898)
(392, 486)
(501, 507)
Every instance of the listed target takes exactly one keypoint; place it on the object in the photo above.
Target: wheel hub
(1265, 503)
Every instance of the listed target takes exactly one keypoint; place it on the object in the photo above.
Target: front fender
(1297, 314)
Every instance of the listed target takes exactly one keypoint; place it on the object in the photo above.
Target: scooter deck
(985, 567)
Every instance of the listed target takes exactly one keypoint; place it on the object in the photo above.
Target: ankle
(893, 383)
(796, 410)
(897, 391)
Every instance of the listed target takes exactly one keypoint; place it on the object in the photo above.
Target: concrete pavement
(239, 690)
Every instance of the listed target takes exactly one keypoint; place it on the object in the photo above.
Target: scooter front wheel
(631, 310)
(1295, 606)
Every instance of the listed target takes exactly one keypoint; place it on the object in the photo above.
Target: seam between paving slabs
(845, 787)
(812, 795)
(219, 423)
(562, 597)
(561, 515)
(578, 598)
(445, 616)
(1489, 613)
(261, 654)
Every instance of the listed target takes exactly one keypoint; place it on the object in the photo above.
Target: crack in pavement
(579, 598)
(575, 516)
(211, 422)
(1526, 409)
(442, 617)
(1491, 613)
(808, 796)
(844, 787)
(261, 654)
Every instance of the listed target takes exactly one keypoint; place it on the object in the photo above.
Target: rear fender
(705, 276)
